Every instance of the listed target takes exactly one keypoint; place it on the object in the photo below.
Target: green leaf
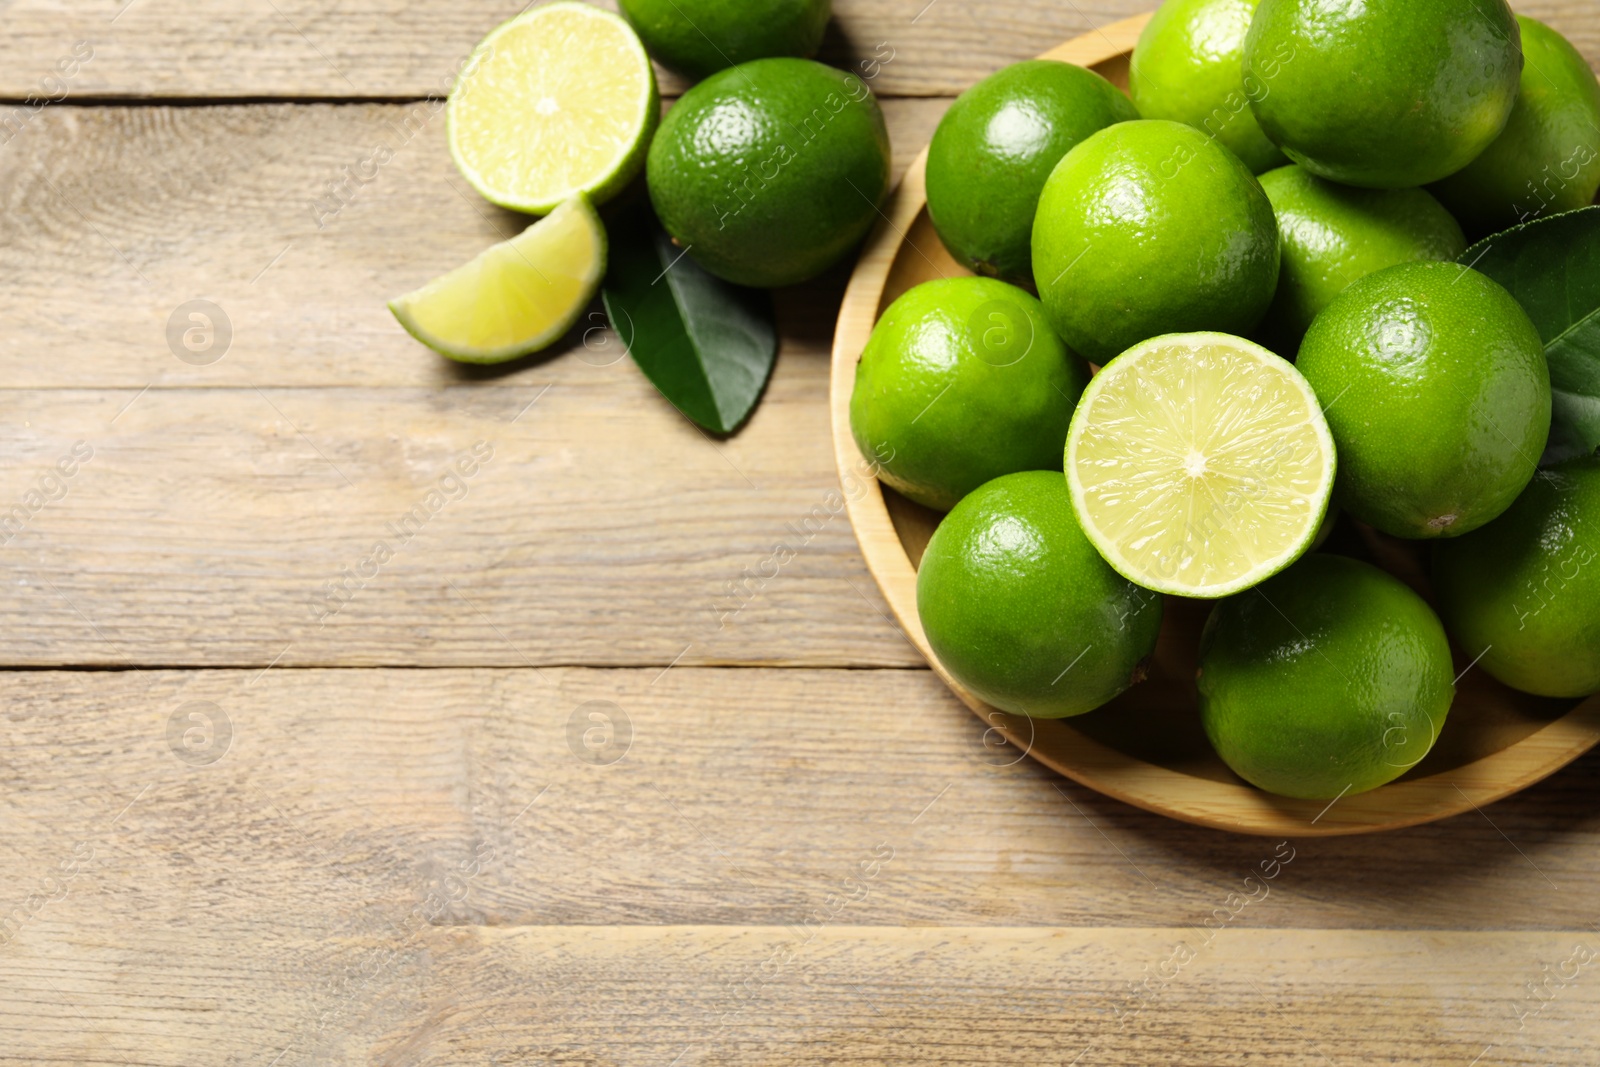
(1552, 267)
(706, 344)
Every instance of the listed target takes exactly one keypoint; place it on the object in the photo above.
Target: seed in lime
(962, 381)
(560, 100)
(1151, 227)
(1524, 591)
(1385, 94)
(1200, 464)
(516, 297)
(1434, 383)
(1334, 235)
(1548, 158)
(994, 149)
(700, 37)
(1330, 679)
(1020, 609)
(771, 172)
(1189, 67)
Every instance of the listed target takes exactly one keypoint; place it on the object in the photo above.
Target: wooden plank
(283, 218)
(391, 989)
(538, 521)
(389, 48)
(335, 798)
(781, 996)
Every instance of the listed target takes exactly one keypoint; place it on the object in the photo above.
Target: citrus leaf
(708, 345)
(1552, 267)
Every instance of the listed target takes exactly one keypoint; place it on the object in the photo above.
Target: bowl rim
(1232, 806)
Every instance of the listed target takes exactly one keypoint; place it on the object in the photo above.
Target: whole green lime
(994, 149)
(1548, 158)
(1330, 678)
(1021, 610)
(1383, 93)
(1334, 235)
(1189, 67)
(701, 37)
(963, 380)
(1434, 383)
(1149, 228)
(1525, 590)
(771, 172)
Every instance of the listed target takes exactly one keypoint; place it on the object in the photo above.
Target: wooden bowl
(1147, 748)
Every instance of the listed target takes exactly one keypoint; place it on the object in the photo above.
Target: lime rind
(1200, 464)
(514, 298)
(606, 177)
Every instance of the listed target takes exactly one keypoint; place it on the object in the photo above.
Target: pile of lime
(766, 173)
(1258, 259)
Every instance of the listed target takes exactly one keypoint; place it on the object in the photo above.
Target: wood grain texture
(409, 867)
(251, 526)
(299, 222)
(740, 797)
(394, 49)
(840, 994)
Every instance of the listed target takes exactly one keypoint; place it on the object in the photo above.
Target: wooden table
(564, 778)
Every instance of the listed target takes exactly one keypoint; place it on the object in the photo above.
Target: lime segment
(516, 297)
(1200, 464)
(561, 100)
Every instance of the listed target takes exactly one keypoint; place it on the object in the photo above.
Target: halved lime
(1200, 464)
(561, 100)
(516, 297)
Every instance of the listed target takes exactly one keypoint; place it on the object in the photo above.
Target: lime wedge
(559, 101)
(1200, 464)
(516, 297)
